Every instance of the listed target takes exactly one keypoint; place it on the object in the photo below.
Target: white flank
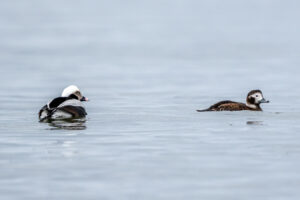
(71, 102)
(60, 115)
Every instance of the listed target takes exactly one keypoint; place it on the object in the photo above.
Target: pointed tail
(205, 110)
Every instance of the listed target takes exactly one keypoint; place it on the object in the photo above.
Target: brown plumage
(253, 101)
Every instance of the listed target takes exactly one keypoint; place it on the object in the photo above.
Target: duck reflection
(255, 123)
(67, 124)
(67, 148)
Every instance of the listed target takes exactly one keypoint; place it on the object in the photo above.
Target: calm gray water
(147, 66)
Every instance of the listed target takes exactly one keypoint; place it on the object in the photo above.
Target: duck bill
(264, 101)
(84, 99)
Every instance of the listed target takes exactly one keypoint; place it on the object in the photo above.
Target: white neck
(253, 106)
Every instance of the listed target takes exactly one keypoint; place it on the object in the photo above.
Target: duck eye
(256, 95)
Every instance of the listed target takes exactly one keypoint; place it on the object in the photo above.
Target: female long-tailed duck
(69, 105)
(253, 101)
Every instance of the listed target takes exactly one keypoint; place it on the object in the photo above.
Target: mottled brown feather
(236, 106)
(229, 106)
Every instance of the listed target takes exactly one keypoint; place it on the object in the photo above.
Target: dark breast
(228, 106)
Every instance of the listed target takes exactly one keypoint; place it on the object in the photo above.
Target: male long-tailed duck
(253, 101)
(69, 105)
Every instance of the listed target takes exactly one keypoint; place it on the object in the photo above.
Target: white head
(73, 90)
(70, 90)
(254, 98)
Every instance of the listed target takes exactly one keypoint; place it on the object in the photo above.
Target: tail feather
(204, 110)
(45, 116)
(44, 113)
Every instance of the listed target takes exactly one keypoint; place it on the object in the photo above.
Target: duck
(68, 105)
(253, 101)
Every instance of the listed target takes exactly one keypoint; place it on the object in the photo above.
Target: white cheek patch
(257, 96)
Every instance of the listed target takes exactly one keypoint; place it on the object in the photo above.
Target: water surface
(147, 66)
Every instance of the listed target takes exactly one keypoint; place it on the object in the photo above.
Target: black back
(59, 100)
(56, 102)
(52, 107)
